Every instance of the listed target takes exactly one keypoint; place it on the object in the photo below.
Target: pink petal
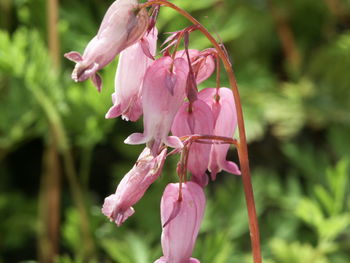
(146, 49)
(114, 112)
(136, 138)
(73, 56)
(164, 260)
(96, 79)
(200, 179)
(173, 141)
(132, 66)
(203, 64)
(161, 260)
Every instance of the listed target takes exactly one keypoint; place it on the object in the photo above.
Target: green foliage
(20, 222)
(327, 213)
(295, 252)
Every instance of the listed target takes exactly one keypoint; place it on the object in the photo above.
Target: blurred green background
(59, 156)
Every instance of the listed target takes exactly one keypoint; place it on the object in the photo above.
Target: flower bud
(181, 220)
(118, 206)
(121, 27)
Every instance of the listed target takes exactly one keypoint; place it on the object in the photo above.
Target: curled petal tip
(73, 56)
(113, 112)
(146, 49)
(231, 167)
(174, 142)
(96, 79)
(136, 138)
(121, 216)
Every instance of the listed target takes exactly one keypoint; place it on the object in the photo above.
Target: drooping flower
(132, 65)
(222, 104)
(163, 92)
(122, 25)
(195, 120)
(118, 206)
(181, 220)
(202, 62)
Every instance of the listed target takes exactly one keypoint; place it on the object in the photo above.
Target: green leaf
(310, 213)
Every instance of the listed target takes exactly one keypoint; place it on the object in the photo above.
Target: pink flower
(181, 220)
(121, 27)
(118, 206)
(202, 62)
(198, 120)
(132, 66)
(163, 92)
(225, 125)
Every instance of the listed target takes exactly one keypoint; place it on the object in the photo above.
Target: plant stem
(85, 167)
(6, 17)
(53, 38)
(336, 7)
(286, 37)
(201, 138)
(49, 202)
(242, 145)
(59, 134)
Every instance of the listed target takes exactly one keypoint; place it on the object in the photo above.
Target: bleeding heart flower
(222, 105)
(132, 65)
(195, 120)
(181, 220)
(163, 92)
(118, 206)
(122, 25)
(202, 62)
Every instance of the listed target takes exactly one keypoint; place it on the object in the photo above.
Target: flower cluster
(162, 87)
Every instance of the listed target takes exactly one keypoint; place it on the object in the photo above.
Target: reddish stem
(201, 138)
(176, 47)
(242, 145)
(182, 168)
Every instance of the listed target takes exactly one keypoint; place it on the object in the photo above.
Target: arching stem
(242, 145)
